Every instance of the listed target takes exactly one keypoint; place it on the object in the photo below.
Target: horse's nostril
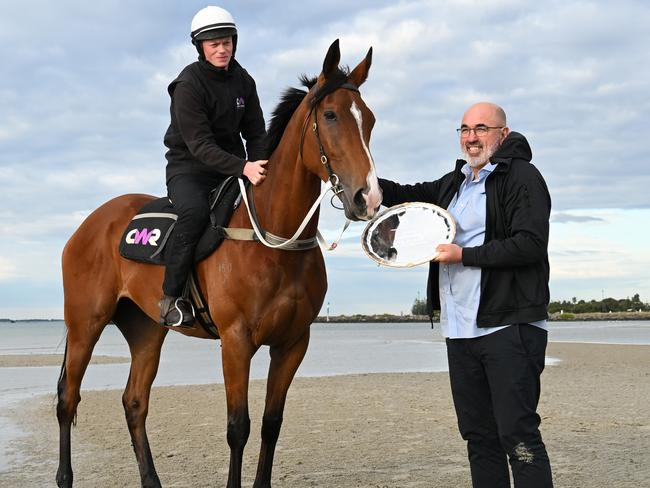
(359, 200)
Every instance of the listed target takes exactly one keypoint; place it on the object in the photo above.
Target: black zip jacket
(514, 257)
(211, 109)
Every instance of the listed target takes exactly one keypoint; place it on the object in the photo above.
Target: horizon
(321, 315)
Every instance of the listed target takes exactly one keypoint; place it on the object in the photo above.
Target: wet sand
(375, 431)
(31, 360)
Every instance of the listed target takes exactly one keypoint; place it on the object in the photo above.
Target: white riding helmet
(211, 23)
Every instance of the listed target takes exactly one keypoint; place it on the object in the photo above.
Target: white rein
(288, 244)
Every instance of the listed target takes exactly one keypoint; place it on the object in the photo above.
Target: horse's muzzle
(364, 205)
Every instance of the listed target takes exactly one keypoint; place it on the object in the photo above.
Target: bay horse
(256, 295)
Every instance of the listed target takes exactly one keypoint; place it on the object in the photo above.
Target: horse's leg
(81, 339)
(236, 353)
(284, 364)
(145, 339)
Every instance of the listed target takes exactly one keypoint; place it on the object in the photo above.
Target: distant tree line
(574, 306)
(604, 305)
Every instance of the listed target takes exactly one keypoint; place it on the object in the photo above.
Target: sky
(83, 110)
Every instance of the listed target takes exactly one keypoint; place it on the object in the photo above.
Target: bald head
(490, 113)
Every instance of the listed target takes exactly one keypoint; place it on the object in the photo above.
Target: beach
(369, 430)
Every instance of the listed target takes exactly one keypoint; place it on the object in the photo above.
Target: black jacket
(514, 257)
(211, 109)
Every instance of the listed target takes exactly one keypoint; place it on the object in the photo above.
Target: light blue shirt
(460, 286)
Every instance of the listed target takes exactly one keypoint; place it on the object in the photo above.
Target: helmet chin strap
(199, 48)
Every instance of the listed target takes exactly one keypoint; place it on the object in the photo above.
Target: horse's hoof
(64, 480)
(151, 482)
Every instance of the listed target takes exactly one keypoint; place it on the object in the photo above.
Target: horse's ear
(332, 59)
(360, 73)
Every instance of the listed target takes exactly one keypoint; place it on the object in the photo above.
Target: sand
(375, 431)
(33, 360)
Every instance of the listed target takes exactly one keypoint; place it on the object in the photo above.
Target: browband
(329, 88)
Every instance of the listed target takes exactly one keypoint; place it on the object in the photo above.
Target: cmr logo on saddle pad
(144, 236)
(147, 233)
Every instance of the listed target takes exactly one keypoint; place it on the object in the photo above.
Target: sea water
(334, 349)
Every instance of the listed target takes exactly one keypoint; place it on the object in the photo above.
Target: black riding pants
(495, 384)
(189, 194)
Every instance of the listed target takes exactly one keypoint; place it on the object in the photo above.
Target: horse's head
(335, 145)
(383, 237)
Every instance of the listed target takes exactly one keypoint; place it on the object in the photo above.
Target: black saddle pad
(146, 236)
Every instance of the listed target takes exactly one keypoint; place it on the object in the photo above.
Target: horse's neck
(287, 194)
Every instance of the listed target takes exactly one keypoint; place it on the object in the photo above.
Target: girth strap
(238, 234)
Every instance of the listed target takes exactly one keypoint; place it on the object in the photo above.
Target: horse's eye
(329, 115)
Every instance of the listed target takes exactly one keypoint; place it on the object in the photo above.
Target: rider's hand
(255, 171)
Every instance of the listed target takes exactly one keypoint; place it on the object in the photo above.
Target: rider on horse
(214, 103)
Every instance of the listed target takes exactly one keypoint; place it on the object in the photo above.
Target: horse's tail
(62, 373)
(60, 384)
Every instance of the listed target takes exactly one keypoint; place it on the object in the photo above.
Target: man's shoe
(176, 312)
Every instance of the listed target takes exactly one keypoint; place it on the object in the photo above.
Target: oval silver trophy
(406, 235)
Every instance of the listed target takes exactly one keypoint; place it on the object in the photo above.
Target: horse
(257, 295)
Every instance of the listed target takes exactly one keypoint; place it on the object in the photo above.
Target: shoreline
(373, 430)
(409, 318)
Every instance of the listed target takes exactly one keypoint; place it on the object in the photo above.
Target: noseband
(337, 188)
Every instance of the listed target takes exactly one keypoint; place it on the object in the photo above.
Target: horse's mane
(291, 98)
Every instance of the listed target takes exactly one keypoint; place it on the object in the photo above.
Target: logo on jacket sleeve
(239, 103)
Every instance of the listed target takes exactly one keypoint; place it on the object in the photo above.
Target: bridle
(293, 243)
(337, 188)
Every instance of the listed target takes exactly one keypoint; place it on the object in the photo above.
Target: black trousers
(495, 384)
(189, 194)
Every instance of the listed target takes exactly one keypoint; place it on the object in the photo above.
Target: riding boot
(176, 312)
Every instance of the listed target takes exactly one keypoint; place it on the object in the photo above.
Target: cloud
(85, 105)
(565, 218)
(605, 251)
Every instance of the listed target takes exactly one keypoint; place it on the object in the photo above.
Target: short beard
(481, 161)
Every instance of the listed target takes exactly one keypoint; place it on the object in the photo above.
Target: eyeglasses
(479, 130)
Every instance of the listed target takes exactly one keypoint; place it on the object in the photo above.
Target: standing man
(214, 104)
(491, 286)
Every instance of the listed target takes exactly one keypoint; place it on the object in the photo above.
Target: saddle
(145, 237)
